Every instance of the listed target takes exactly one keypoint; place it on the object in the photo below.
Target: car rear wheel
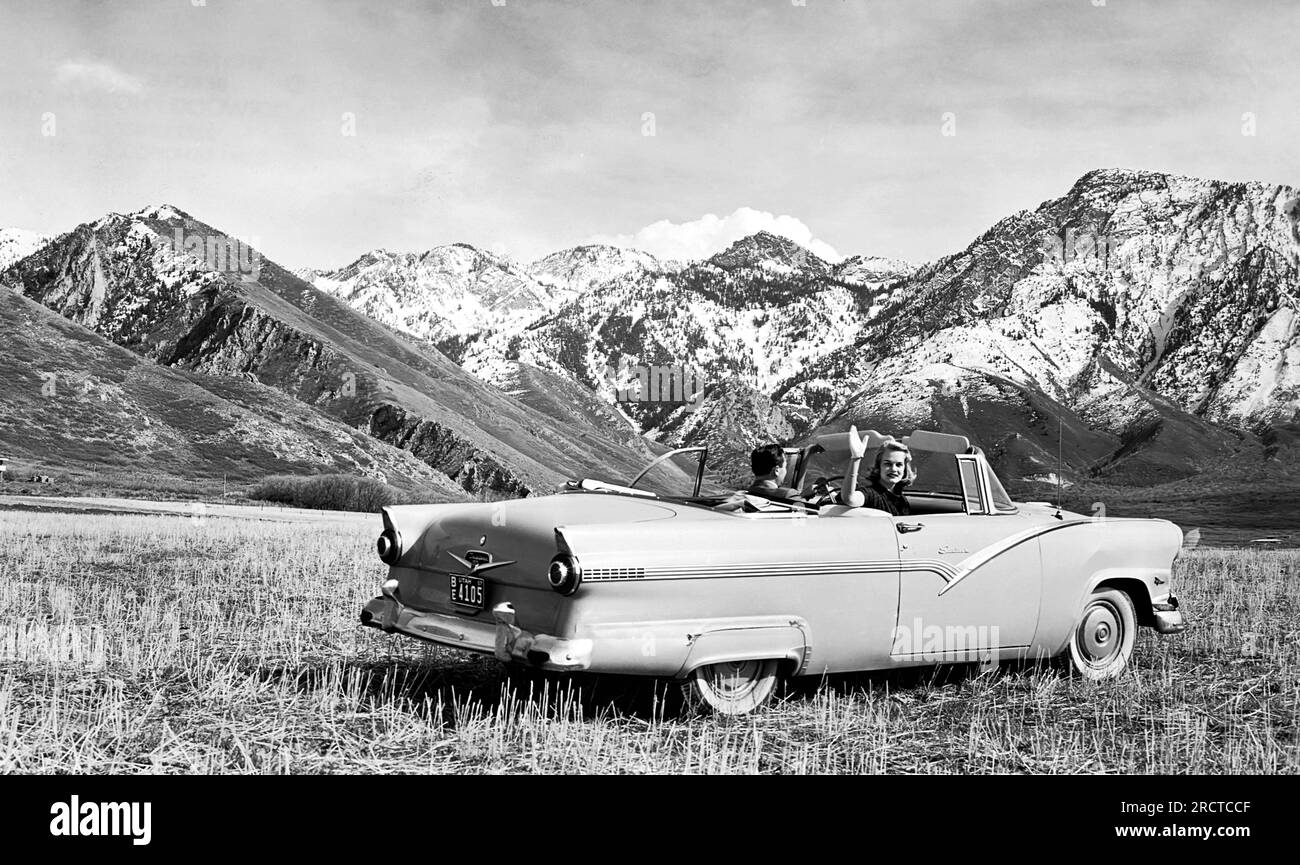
(731, 687)
(1103, 638)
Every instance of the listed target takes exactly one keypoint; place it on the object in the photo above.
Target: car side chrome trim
(972, 563)
(951, 573)
(606, 574)
(776, 569)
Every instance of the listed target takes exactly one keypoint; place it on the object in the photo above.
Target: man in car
(768, 464)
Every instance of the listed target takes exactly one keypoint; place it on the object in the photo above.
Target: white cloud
(98, 76)
(711, 234)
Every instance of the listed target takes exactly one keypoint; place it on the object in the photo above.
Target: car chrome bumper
(1169, 619)
(501, 637)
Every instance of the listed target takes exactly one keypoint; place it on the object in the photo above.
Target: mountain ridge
(1154, 315)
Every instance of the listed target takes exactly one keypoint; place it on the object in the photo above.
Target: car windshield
(937, 475)
(673, 475)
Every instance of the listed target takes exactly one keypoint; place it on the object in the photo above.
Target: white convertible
(612, 578)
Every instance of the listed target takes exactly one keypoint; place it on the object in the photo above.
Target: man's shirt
(769, 488)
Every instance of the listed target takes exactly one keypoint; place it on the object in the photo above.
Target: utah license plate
(467, 591)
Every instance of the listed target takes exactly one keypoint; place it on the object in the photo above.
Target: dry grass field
(148, 644)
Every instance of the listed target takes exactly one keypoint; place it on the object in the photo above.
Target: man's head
(766, 459)
(893, 465)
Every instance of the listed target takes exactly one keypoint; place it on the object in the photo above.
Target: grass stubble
(158, 644)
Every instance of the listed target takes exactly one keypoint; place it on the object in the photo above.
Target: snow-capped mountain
(744, 315)
(872, 271)
(746, 324)
(447, 292)
(570, 272)
(452, 292)
(1146, 305)
(751, 316)
(772, 254)
(747, 311)
(17, 243)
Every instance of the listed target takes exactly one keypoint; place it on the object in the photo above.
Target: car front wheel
(1103, 638)
(731, 687)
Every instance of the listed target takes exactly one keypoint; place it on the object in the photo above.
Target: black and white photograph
(566, 387)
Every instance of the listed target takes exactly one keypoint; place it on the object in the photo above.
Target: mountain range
(1154, 314)
(126, 279)
(1144, 323)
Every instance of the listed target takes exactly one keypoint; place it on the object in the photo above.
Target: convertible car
(728, 593)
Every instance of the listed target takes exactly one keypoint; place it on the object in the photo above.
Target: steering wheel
(832, 490)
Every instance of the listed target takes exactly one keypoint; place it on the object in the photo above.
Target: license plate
(467, 591)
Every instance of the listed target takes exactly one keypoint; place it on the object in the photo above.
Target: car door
(969, 581)
(839, 573)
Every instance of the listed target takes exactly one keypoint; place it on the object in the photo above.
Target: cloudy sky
(322, 130)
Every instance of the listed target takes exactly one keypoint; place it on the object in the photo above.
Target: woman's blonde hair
(909, 472)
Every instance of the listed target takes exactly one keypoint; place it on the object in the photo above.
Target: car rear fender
(410, 523)
(785, 640)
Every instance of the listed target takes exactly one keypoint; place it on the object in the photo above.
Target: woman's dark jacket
(877, 496)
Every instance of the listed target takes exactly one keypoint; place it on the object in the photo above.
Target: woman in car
(890, 475)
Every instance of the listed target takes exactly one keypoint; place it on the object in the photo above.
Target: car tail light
(564, 574)
(389, 546)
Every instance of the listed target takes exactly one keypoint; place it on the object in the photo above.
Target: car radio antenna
(1060, 464)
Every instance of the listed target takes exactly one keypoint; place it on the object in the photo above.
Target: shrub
(328, 492)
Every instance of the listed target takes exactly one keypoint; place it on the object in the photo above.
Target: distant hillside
(71, 398)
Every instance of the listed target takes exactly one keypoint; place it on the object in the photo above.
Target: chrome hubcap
(1098, 632)
(735, 678)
